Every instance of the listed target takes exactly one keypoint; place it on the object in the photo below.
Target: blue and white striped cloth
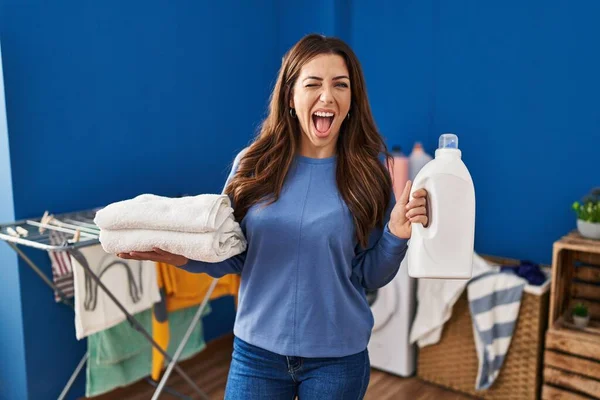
(494, 301)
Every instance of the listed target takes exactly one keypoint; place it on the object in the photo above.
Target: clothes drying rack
(35, 233)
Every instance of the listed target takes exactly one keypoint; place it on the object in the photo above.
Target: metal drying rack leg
(185, 339)
(74, 375)
(137, 326)
(66, 301)
(172, 392)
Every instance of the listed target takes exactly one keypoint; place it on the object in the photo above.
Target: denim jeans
(256, 373)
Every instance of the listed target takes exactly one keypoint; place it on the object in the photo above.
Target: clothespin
(12, 232)
(75, 237)
(45, 221)
(22, 232)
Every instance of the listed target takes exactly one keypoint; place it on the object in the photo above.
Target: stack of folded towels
(199, 227)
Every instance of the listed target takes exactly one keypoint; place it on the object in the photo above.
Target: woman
(315, 202)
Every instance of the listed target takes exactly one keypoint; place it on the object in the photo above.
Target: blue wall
(296, 19)
(517, 82)
(394, 42)
(106, 101)
(13, 381)
(109, 100)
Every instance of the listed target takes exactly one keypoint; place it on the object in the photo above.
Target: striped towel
(494, 301)
(62, 271)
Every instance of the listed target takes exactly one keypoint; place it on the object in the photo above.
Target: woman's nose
(326, 95)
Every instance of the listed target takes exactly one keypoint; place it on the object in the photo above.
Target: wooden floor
(209, 369)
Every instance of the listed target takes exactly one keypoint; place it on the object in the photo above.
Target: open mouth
(322, 120)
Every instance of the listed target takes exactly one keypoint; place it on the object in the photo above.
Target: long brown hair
(362, 179)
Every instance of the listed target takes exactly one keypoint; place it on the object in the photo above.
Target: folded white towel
(202, 213)
(199, 227)
(207, 247)
(435, 299)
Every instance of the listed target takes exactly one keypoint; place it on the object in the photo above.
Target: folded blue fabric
(528, 270)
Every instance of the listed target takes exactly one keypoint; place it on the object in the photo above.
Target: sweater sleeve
(232, 265)
(379, 263)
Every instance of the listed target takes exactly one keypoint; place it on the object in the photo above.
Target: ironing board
(35, 233)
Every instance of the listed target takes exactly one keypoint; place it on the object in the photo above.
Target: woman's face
(321, 99)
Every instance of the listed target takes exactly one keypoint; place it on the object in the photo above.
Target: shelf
(565, 323)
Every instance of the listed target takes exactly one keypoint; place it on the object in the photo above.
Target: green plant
(580, 310)
(589, 208)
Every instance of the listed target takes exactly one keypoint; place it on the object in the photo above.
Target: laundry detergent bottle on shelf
(444, 248)
(418, 159)
(398, 168)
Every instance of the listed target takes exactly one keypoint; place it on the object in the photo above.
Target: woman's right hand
(158, 255)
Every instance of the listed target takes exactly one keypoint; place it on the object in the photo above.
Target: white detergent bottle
(418, 159)
(444, 249)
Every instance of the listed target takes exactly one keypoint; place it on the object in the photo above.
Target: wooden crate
(452, 362)
(572, 355)
(575, 275)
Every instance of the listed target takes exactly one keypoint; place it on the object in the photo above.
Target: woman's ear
(291, 97)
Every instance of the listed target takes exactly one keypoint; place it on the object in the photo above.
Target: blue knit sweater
(303, 275)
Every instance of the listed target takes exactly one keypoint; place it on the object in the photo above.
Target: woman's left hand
(406, 212)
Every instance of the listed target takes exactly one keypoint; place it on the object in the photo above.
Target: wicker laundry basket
(452, 362)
